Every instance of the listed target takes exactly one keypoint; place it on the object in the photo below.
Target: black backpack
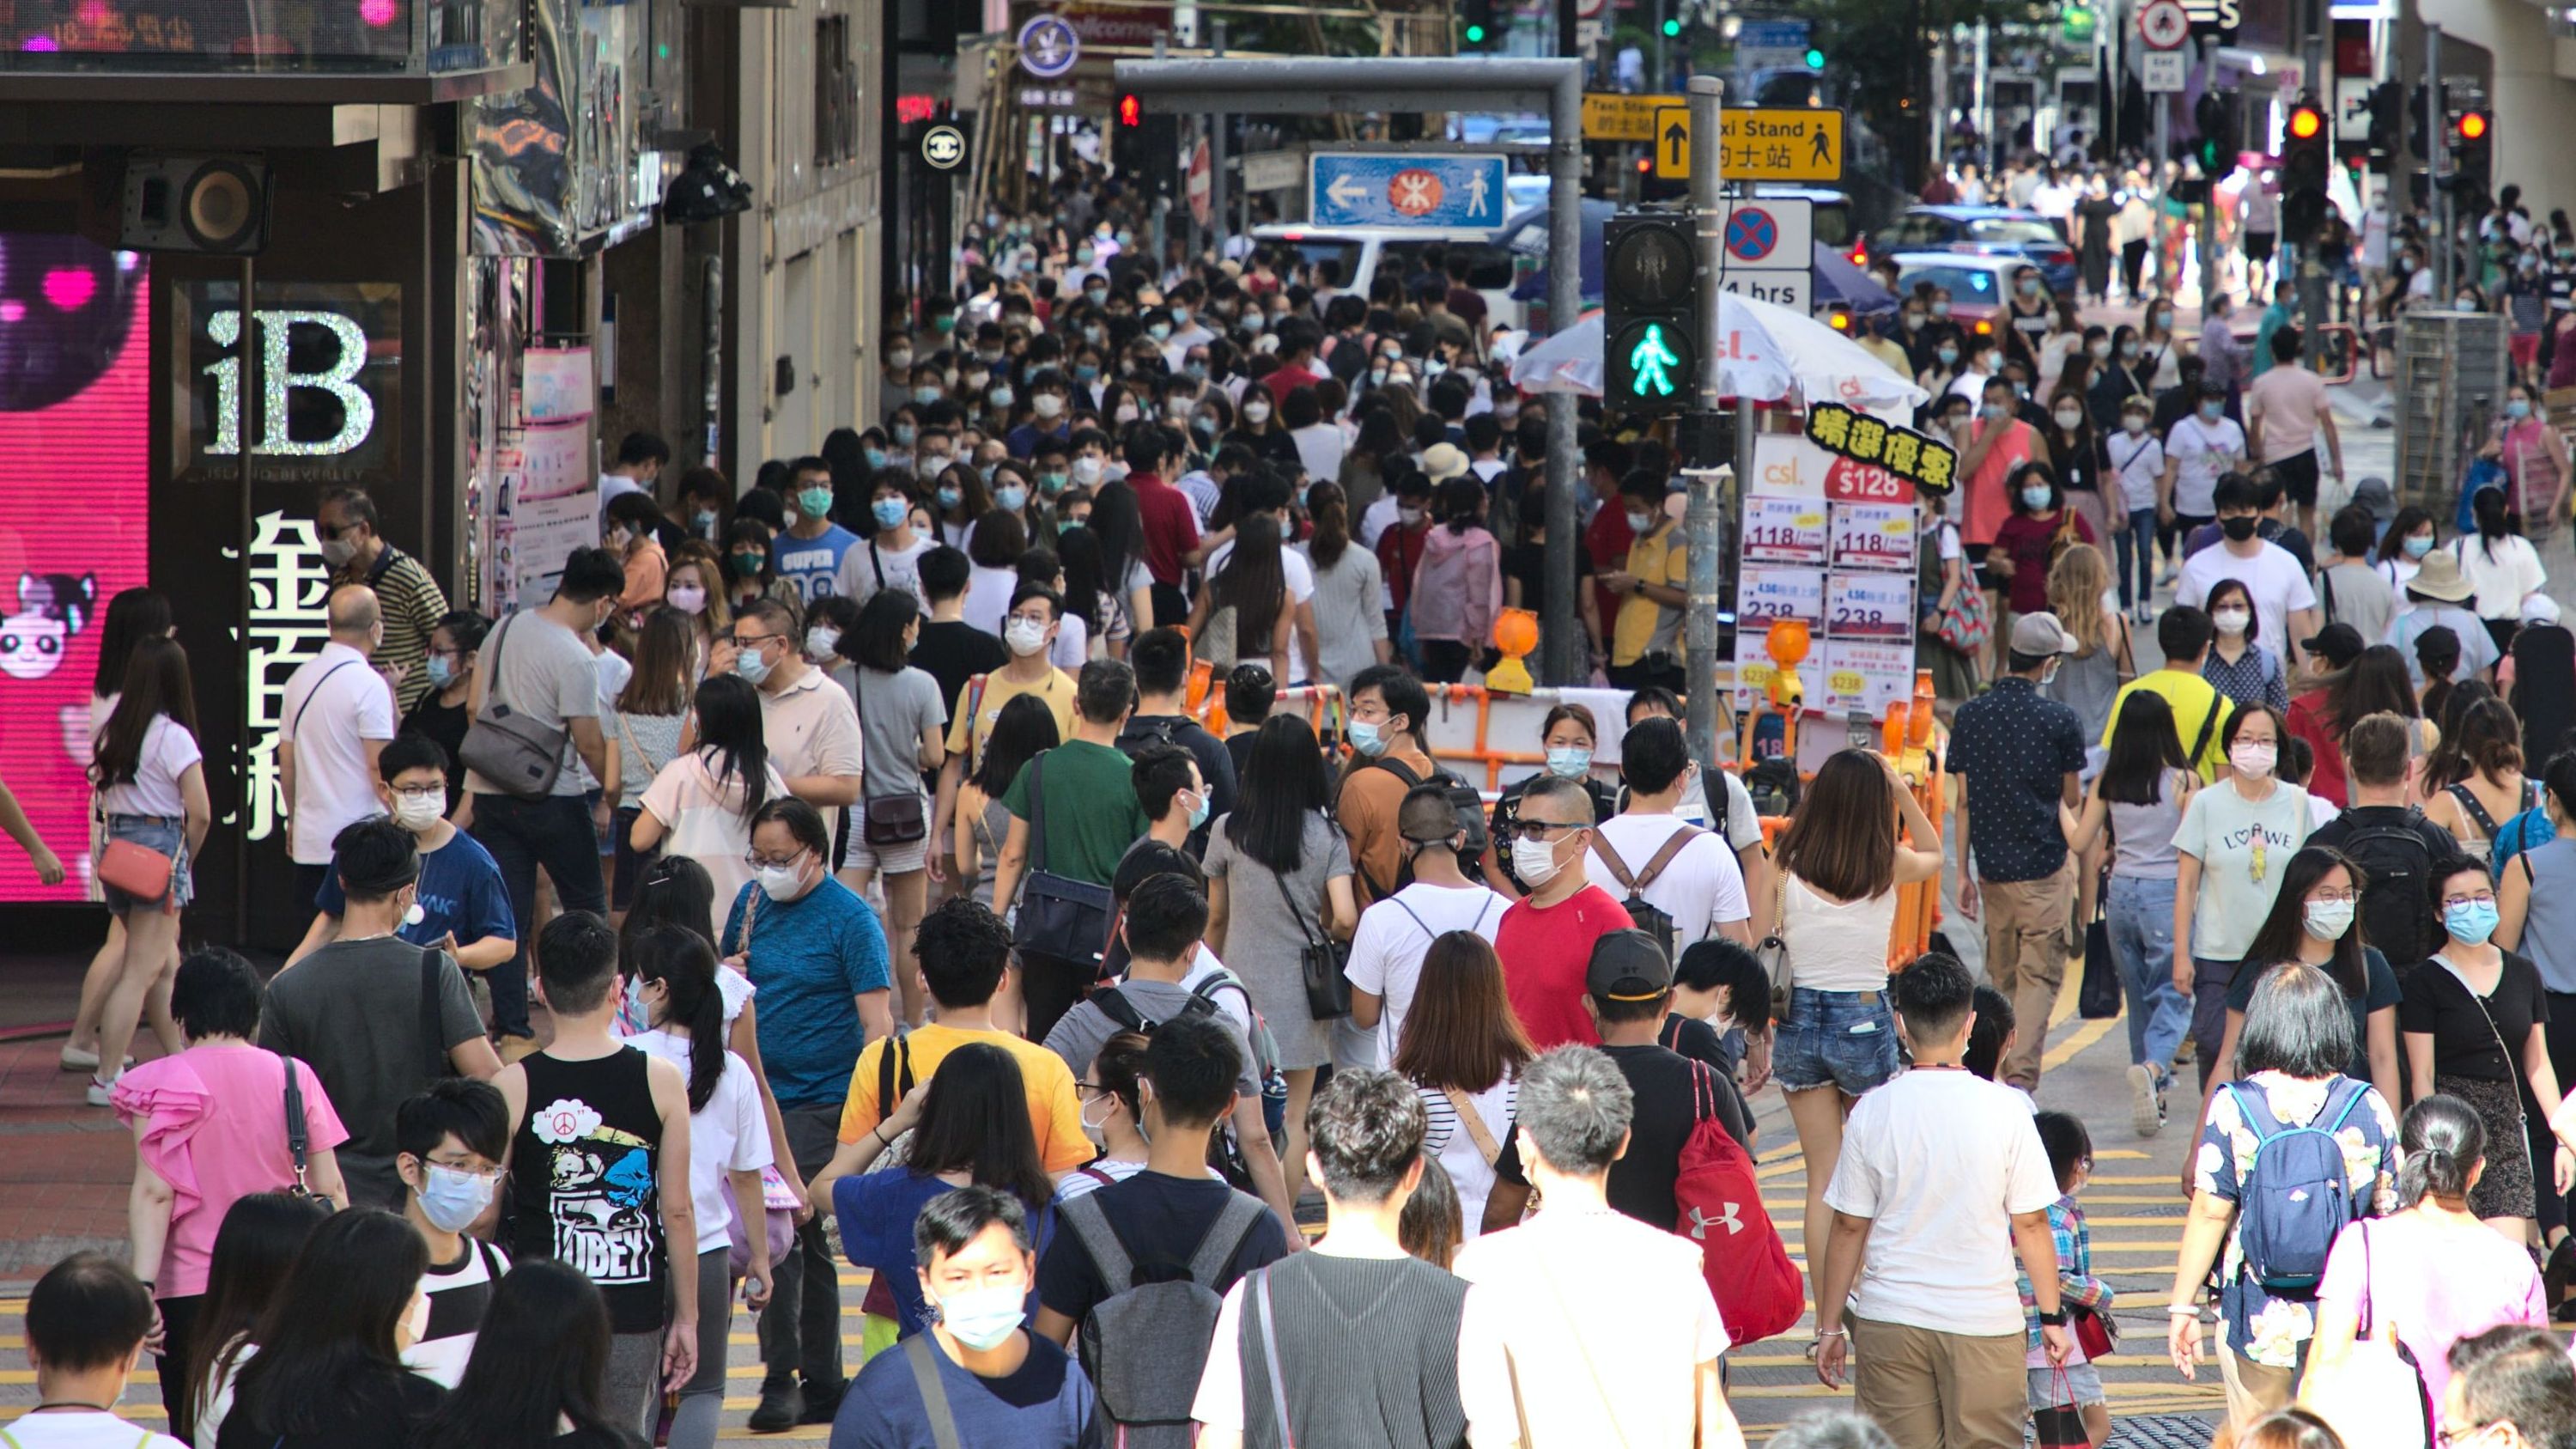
(1462, 798)
(2398, 862)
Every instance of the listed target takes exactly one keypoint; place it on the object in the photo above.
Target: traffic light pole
(2436, 132)
(1705, 523)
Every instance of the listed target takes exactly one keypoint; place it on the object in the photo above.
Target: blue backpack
(2483, 474)
(2295, 1198)
(2525, 832)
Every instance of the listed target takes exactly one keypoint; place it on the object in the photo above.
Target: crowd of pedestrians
(915, 864)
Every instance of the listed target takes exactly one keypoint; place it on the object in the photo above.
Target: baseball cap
(2211, 388)
(2038, 634)
(1628, 966)
(2375, 495)
(2539, 609)
(2337, 644)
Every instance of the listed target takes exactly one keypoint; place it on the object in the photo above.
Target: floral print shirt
(2263, 1326)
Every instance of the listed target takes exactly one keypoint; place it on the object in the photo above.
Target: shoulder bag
(2372, 1393)
(298, 1145)
(898, 819)
(517, 755)
(1059, 916)
(1319, 961)
(1270, 1357)
(1474, 1124)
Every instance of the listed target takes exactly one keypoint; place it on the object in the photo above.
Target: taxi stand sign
(1931, 465)
(1776, 143)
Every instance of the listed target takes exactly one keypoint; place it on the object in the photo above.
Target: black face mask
(2239, 528)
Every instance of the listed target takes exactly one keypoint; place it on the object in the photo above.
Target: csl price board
(1765, 596)
(1847, 482)
(1872, 536)
(1869, 606)
(1864, 676)
(1930, 465)
(1783, 530)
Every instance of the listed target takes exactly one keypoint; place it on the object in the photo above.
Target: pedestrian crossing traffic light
(1476, 23)
(1651, 344)
(1144, 147)
(2307, 143)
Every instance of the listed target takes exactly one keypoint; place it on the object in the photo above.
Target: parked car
(1979, 284)
(1364, 252)
(1988, 230)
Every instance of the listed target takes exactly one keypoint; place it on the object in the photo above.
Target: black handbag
(2098, 994)
(898, 819)
(1060, 917)
(1319, 961)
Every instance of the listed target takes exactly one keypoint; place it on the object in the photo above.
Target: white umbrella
(1569, 361)
(1764, 352)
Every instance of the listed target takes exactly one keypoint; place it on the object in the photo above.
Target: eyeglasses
(1536, 829)
(2331, 898)
(2449, 1437)
(758, 861)
(1088, 1089)
(489, 1174)
(2482, 898)
(754, 641)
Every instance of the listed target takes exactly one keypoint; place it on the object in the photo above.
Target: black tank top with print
(583, 1172)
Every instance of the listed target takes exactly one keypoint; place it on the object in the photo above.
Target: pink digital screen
(74, 520)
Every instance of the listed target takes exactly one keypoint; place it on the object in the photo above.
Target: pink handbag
(138, 870)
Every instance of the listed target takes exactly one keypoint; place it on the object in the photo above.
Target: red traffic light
(2306, 122)
(1131, 111)
(2473, 125)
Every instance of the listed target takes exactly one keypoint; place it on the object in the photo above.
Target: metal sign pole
(1705, 523)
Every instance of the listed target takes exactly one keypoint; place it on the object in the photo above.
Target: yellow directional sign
(1609, 116)
(1779, 144)
(1672, 141)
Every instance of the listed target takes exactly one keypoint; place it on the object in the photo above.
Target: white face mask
(1534, 861)
(1025, 636)
(1047, 404)
(2231, 621)
(2253, 759)
(780, 882)
(416, 810)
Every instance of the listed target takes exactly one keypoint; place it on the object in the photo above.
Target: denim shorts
(152, 832)
(1845, 1039)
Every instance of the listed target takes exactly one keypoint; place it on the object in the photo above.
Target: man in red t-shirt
(1546, 938)
(1171, 526)
(1298, 339)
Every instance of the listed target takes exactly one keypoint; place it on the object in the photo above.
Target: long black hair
(976, 1121)
(2145, 750)
(156, 683)
(2487, 505)
(877, 642)
(1254, 582)
(2444, 1140)
(331, 1325)
(685, 964)
(2286, 926)
(132, 614)
(730, 734)
(540, 1357)
(673, 891)
(260, 1237)
(1285, 784)
(1024, 730)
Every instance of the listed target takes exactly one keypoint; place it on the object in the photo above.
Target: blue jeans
(2137, 542)
(2140, 916)
(1845, 1039)
(523, 835)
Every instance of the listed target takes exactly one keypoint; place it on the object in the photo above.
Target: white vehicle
(1361, 253)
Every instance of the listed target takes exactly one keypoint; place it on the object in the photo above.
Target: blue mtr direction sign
(1432, 192)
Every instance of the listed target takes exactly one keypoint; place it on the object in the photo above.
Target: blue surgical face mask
(751, 665)
(2417, 544)
(704, 521)
(2517, 409)
(452, 1199)
(891, 512)
(1010, 497)
(950, 497)
(1569, 762)
(1947, 355)
(2034, 499)
(2470, 922)
(925, 395)
(1086, 372)
(906, 433)
(1368, 737)
(2213, 411)
(1199, 812)
(983, 1318)
(441, 673)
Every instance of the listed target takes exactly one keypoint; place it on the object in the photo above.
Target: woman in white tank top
(1840, 864)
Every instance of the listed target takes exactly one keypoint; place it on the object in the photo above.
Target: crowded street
(1105, 725)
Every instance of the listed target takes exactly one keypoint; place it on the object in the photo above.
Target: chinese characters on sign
(288, 585)
(1930, 465)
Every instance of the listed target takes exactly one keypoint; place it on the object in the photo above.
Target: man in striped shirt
(449, 1142)
(346, 524)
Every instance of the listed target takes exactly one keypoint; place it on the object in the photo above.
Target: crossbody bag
(1059, 916)
(901, 818)
(512, 751)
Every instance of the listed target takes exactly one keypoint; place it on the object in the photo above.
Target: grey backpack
(1146, 1344)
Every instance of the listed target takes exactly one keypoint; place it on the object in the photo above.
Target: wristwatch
(2054, 1320)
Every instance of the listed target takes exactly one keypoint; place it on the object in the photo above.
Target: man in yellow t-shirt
(1029, 630)
(2200, 712)
(1645, 639)
(965, 954)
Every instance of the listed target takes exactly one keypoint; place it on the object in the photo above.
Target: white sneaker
(78, 1059)
(100, 1093)
(2146, 1112)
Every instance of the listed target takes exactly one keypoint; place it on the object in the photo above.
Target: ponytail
(2444, 1142)
(685, 964)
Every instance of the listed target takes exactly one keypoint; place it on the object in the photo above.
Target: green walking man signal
(1649, 360)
